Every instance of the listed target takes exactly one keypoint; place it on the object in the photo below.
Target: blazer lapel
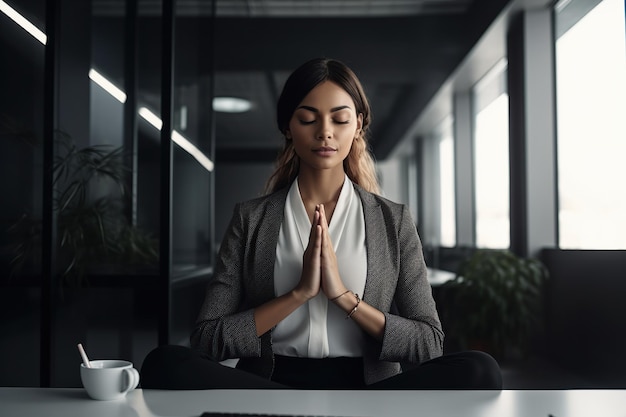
(377, 250)
(269, 218)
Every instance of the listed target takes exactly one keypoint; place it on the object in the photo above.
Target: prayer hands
(310, 280)
(331, 282)
(319, 267)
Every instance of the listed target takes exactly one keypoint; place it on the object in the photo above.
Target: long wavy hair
(359, 164)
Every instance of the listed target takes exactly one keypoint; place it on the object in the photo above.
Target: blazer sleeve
(414, 334)
(225, 328)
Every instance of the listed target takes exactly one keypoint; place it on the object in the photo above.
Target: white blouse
(318, 329)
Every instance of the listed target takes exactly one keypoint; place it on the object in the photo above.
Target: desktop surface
(70, 402)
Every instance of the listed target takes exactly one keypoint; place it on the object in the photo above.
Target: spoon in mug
(84, 356)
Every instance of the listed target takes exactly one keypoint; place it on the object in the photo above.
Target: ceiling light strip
(184, 143)
(107, 85)
(110, 88)
(23, 22)
(179, 139)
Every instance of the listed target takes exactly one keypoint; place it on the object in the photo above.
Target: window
(446, 185)
(491, 159)
(591, 128)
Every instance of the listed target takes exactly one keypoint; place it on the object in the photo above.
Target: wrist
(300, 296)
(337, 297)
(347, 301)
(355, 308)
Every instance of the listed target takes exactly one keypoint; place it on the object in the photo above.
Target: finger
(323, 218)
(315, 243)
(316, 216)
(322, 224)
(314, 224)
(319, 238)
(326, 242)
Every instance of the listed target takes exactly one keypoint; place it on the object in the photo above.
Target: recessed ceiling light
(231, 104)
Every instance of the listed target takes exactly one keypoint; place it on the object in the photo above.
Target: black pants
(178, 367)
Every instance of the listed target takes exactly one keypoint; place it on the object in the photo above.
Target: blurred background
(130, 128)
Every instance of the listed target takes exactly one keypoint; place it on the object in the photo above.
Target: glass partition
(193, 150)
(128, 254)
(192, 165)
(108, 243)
(22, 57)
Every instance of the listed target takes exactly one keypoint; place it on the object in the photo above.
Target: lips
(325, 150)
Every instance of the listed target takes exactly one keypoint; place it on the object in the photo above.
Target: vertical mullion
(167, 77)
(212, 135)
(130, 141)
(517, 136)
(48, 232)
(130, 107)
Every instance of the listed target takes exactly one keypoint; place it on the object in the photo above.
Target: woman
(321, 283)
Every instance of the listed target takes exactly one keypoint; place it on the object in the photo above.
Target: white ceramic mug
(109, 379)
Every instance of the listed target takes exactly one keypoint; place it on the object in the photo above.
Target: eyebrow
(314, 110)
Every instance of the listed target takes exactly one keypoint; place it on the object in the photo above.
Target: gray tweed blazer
(396, 284)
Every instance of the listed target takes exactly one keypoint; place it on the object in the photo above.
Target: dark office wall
(586, 312)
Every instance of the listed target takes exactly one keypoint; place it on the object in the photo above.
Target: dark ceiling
(402, 50)
(402, 60)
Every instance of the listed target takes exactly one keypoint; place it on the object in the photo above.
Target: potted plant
(93, 231)
(494, 303)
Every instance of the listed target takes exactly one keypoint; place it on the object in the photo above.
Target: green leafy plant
(495, 301)
(92, 229)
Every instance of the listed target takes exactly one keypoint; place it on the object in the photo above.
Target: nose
(325, 131)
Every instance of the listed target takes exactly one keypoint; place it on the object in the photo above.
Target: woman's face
(323, 127)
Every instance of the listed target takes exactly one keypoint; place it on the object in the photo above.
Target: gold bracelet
(343, 293)
(358, 301)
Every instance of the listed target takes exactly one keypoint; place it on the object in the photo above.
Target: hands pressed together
(319, 266)
(319, 273)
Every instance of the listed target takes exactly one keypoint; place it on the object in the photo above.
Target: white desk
(438, 277)
(70, 402)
